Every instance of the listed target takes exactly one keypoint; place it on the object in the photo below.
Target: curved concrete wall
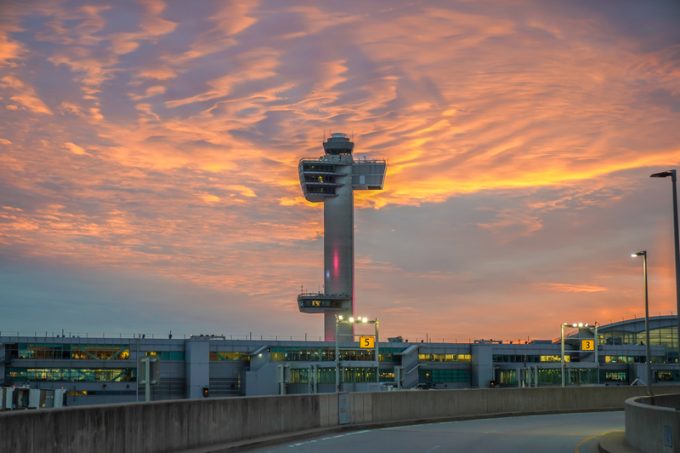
(159, 426)
(654, 428)
(186, 424)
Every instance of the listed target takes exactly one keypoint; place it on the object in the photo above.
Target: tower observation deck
(332, 179)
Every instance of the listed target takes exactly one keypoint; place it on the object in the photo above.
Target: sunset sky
(148, 163)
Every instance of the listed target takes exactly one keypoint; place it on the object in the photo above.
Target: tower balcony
(318, 178)
(368, 174)
(321, 303)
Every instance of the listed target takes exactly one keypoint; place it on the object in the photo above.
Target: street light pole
(643, 254)
(673, 175)
(377, 352)
(597, 358)
(352, 320)
(562, 352)
(337, 355)
(579, 326)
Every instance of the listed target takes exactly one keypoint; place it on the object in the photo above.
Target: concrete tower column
(338, 247)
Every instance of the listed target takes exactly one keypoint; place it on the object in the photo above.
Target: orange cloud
(9, 49)
(24, 95)
(75, 149)
(157, 73)
(255, 65)
(574, 288)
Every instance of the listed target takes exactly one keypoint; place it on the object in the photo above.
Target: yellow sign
(367, 342)
(587, 345)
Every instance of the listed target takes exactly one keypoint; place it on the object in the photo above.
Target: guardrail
(189, 424)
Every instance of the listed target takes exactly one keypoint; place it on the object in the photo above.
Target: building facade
(104, 370)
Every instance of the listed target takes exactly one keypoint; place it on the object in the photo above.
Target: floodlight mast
(332, 179)
(676, 245)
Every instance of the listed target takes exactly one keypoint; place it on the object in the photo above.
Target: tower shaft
(338, 246)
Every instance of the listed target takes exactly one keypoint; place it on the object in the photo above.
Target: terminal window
(72, 374)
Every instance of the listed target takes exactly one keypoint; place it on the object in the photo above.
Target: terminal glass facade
(614, 377)
(624, 359)
(433, 357)
(349, 374)
(100, 370)
(234, 356)
(663, 336)
(61, 351)
(441, 376)
(167, 355)
(302, 354)
(71, 374)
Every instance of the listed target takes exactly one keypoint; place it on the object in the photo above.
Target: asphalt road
(535, 433)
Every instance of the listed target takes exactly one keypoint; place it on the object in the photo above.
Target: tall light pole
(672, 174)
(564, 324)
(377, 351)
(340, 319)
(643, 254)
(579, 326)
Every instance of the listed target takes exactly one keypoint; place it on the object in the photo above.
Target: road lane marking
(587, 439)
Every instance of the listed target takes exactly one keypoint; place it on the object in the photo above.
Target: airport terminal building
(105, 370)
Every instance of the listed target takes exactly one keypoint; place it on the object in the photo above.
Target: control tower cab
(332, 179)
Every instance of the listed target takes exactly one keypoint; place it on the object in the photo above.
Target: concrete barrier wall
(428, 405)
(186, 424)
(161, 426)
(653, 429)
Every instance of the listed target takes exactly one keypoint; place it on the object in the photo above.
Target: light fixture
(662, 174)
(351, 319)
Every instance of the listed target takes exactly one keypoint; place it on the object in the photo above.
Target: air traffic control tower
(332, 179)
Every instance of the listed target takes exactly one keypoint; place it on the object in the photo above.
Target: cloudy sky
(148, 163)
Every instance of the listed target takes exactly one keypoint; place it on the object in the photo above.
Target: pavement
(574, 432)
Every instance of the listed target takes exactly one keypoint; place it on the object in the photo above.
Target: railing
(357, 160)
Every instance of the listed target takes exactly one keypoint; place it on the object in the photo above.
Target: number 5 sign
(587, 345)
(367, 342)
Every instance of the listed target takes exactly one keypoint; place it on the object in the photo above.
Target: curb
(614, 442)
